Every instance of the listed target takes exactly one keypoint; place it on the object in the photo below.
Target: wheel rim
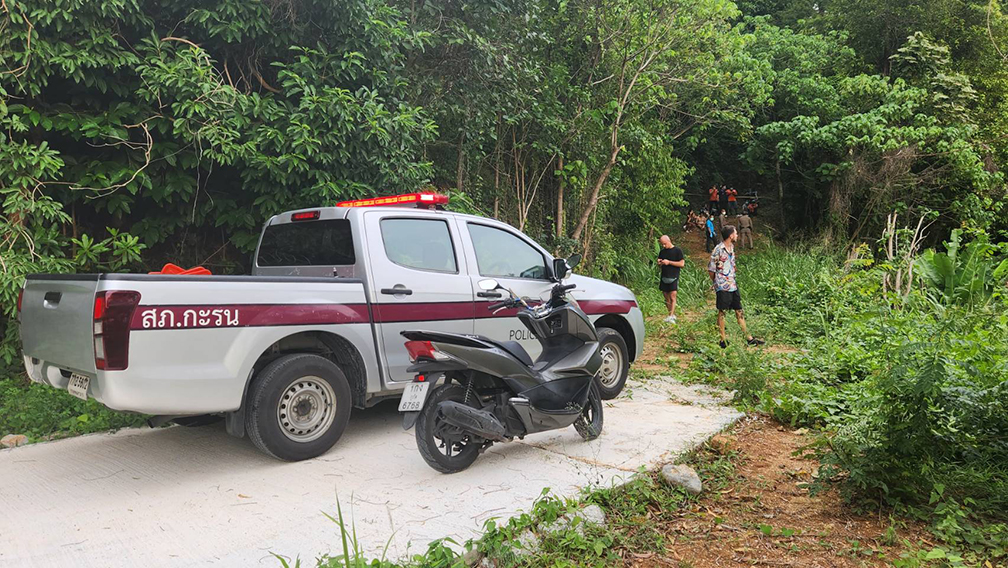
(306, 409)
(450, 440)
(612, 365)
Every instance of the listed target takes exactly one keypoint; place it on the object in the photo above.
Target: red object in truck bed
(175, 269)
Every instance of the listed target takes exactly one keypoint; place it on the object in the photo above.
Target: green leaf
(935, 554)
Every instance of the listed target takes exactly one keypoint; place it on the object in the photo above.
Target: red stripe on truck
(261, 315)
(400, 312)
(598, 307)
(246, 315)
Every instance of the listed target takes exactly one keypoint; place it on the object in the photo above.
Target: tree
(651, 52)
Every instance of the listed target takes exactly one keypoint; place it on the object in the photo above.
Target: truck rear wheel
(298, 407)
(615, 369)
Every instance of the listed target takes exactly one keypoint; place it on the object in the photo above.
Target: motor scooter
(493, 391)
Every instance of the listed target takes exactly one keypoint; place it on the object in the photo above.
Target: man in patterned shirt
(722, 273)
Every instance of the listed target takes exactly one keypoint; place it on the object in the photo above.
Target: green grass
(42, 412)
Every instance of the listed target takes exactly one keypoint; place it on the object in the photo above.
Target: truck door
(516, 263)
(419, 280)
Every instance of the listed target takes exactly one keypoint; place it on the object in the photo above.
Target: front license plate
(413, 397)
(78, 386)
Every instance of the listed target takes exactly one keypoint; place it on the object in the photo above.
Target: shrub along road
(185, 496)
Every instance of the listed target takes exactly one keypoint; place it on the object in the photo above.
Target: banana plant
(966, 274)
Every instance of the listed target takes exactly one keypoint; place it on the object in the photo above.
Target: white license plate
(78, 386)
(413, 397)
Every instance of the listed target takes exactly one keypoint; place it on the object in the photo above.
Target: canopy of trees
(138, 131)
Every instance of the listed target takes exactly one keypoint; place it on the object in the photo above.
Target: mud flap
(409, 419)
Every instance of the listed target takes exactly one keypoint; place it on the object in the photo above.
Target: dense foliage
(134, 132)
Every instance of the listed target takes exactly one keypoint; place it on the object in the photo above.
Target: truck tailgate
(57, 320)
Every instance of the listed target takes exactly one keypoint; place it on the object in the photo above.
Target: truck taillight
(20, 299)
(113, 311)
(424, 350)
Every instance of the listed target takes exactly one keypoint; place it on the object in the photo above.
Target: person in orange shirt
(732, 201)
(712, 204)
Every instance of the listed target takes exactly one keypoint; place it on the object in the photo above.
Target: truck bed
(192, 341)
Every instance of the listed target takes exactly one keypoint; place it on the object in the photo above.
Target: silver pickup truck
(286, 353)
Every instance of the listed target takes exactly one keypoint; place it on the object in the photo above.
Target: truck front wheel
(615, 363)
(297, 407)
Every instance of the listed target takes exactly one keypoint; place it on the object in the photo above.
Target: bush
(933, 414)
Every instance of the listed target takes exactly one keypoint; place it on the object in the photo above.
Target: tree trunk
(497, 186)
(496, 196)
(780, 198)
(560, 200)
(461, 162)
(593, 200)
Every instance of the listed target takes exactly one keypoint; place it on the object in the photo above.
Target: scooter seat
(515, 348)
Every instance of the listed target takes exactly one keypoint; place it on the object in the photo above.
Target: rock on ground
(472, 557)
(683, 476)
(13, 440)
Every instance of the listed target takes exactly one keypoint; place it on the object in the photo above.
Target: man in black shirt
(671, 261)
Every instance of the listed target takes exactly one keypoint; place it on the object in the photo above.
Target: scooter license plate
(413, 397)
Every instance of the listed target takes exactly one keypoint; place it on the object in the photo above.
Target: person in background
(671, 261)
(722, 273)
(712, 201)
(722, 220)
(710, 232)
(733, 201)
(745, 230)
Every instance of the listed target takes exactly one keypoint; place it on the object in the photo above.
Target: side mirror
(574, 260)
(488, 284)
(560, 269)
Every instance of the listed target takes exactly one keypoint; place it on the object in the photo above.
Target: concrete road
(178, 496)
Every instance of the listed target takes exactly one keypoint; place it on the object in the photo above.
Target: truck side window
(312, 243)
(424, 244)
(502, 254)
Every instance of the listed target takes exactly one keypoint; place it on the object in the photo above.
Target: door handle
(488, 294)
(397, 291)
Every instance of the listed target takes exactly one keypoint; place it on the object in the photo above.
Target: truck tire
(612, 375)
(297, 407)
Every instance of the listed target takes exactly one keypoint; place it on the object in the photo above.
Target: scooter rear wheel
(589, 424)
(444, 447)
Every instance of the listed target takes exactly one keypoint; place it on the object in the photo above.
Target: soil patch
(764, 515)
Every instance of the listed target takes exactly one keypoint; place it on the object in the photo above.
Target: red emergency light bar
(423, 200)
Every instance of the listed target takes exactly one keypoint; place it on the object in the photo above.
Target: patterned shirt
(722, 264)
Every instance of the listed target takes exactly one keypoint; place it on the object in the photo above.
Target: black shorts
(668, 287)
(729, 300)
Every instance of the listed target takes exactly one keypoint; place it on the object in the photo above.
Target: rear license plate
(413, 397)
(78, 386)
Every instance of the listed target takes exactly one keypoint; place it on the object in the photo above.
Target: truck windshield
(312, 243)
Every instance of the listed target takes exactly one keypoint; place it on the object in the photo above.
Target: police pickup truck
(285, 353)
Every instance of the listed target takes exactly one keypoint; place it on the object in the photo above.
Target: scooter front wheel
(445, 447)
(589, 424)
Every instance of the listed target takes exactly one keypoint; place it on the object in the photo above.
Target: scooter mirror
(574, 260)
(488, 284)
